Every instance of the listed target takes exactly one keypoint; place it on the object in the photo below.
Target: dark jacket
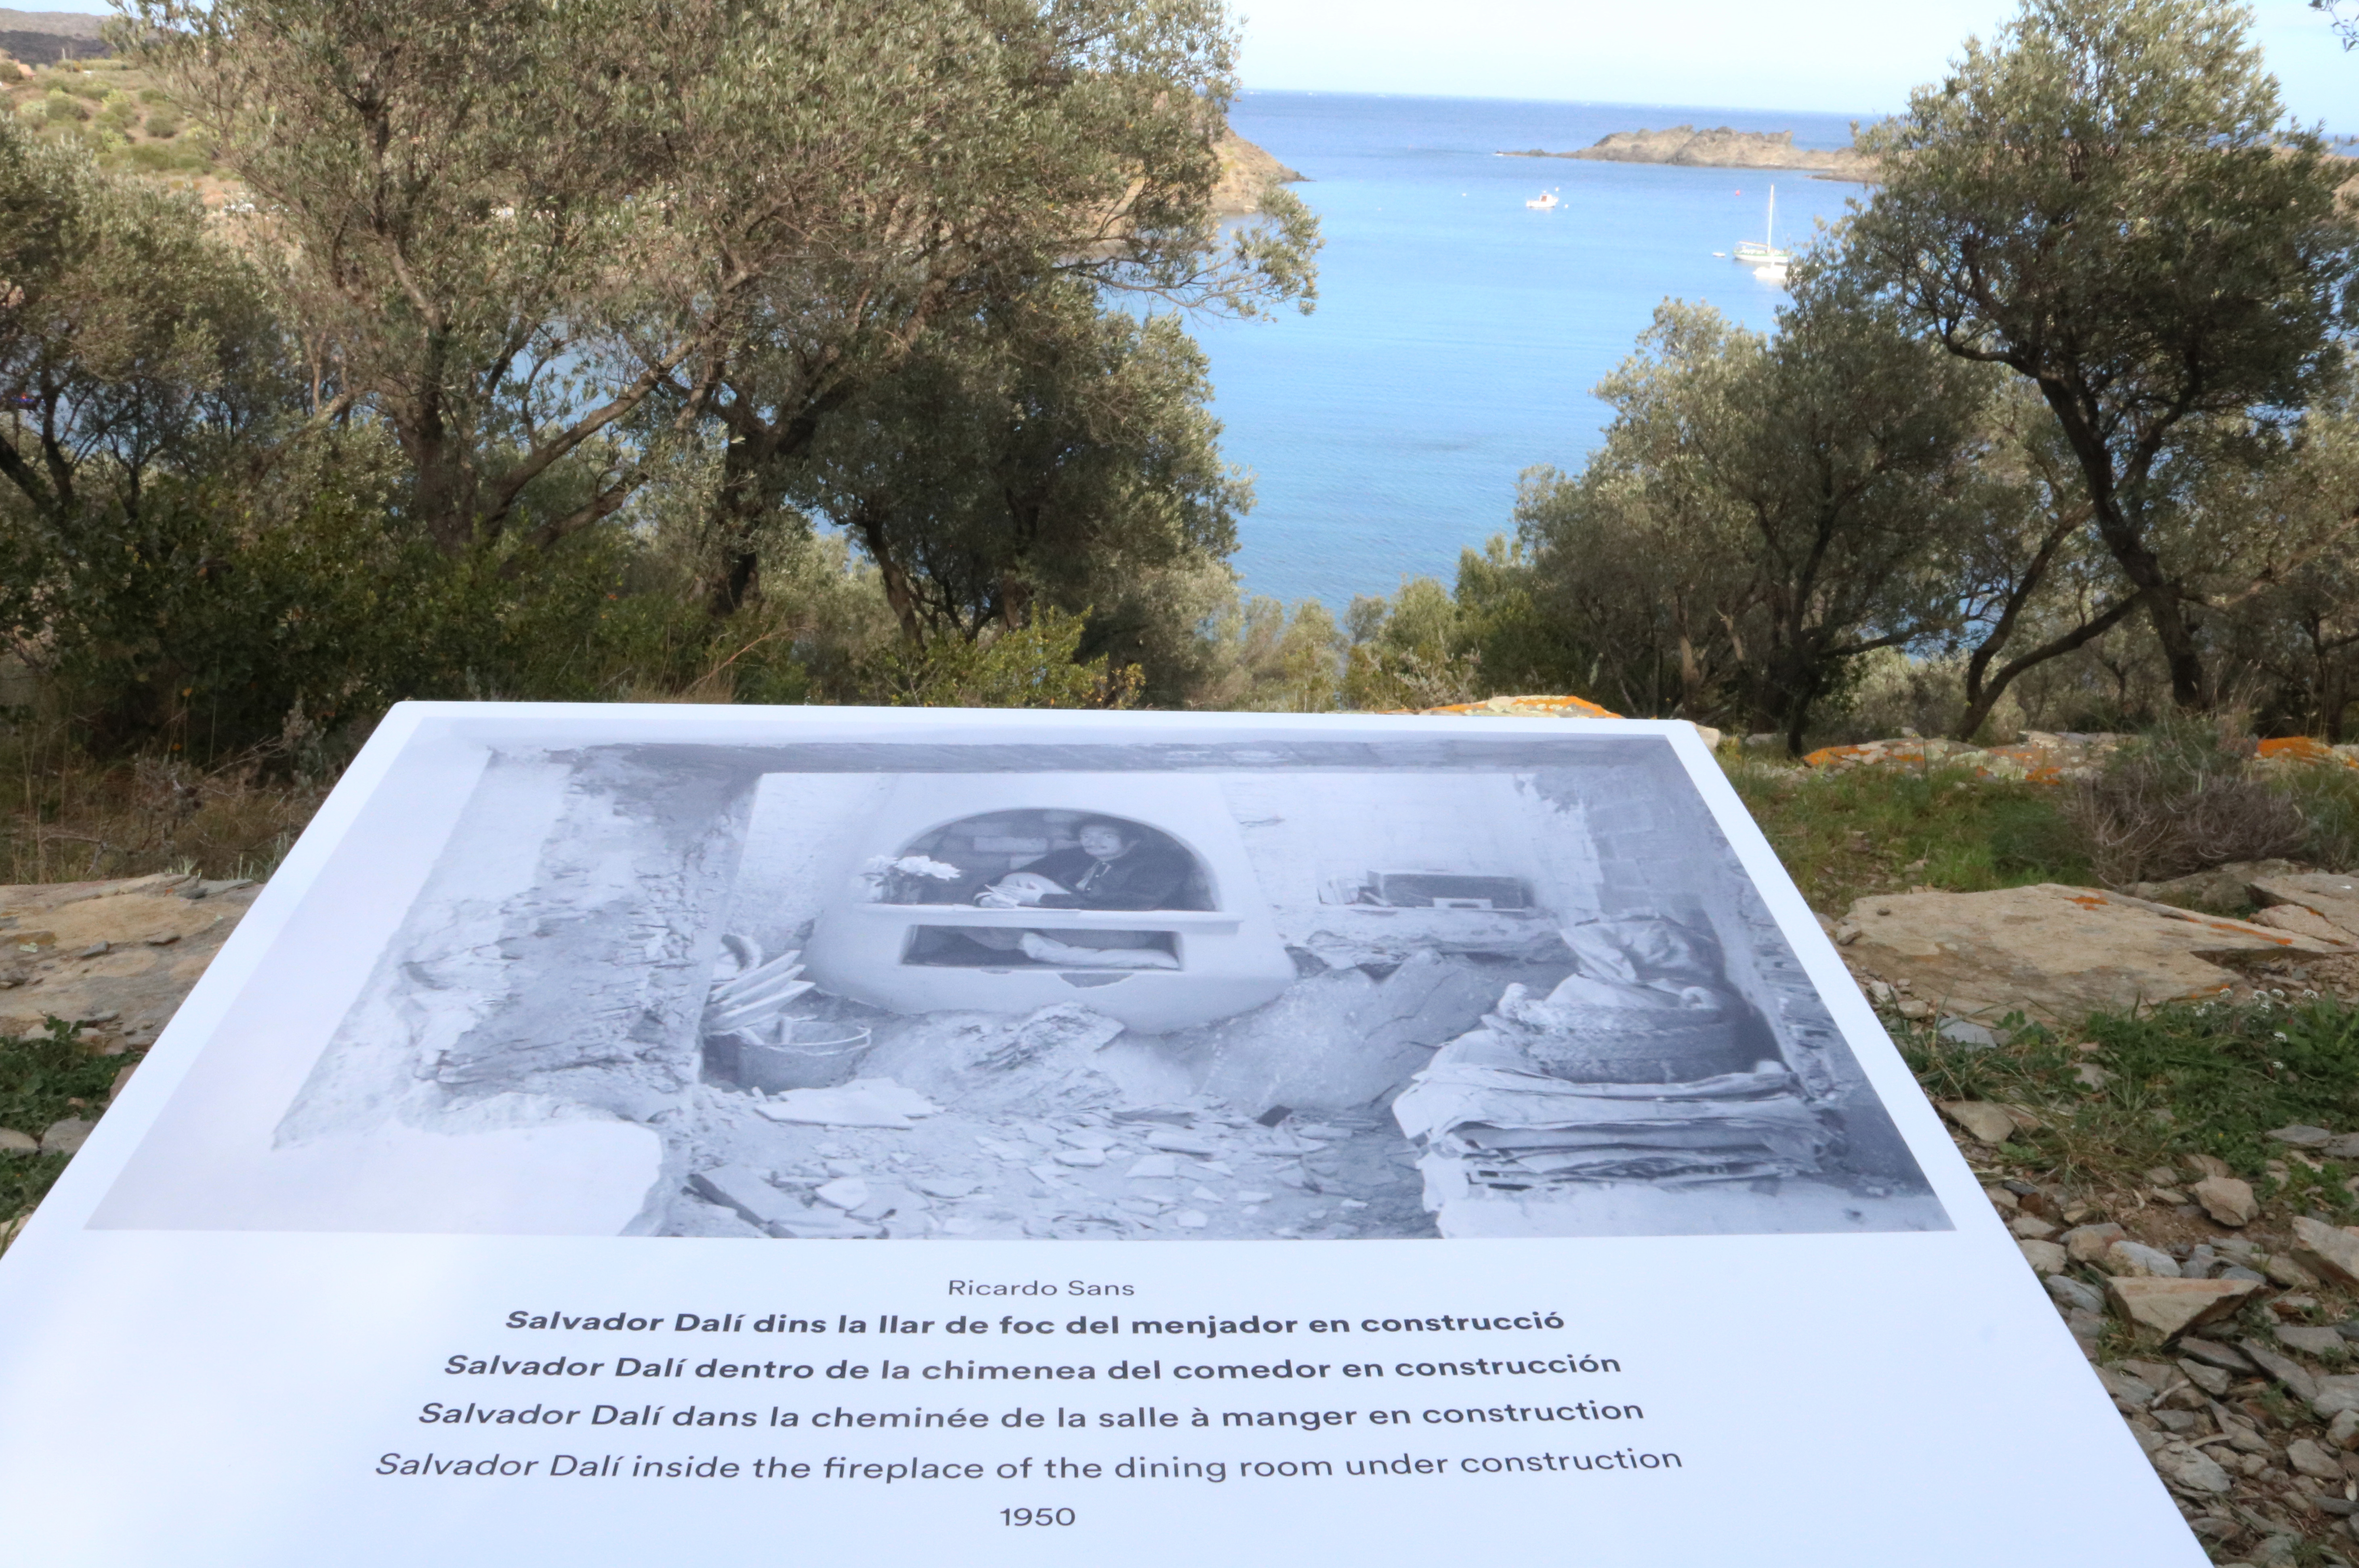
(1147, 878)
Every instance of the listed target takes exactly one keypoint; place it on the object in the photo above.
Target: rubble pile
(2041, 756)
(1036, 1140)
(2241, 1376)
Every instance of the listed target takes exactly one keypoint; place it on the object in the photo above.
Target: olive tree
(1778, 507)
(1040, 453)
(2109, 200)
(541, 241)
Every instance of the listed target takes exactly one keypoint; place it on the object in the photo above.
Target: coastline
(1247, 170)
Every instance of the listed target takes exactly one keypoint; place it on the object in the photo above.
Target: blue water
(1459, 334)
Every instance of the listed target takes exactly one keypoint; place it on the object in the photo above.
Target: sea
(1458, 332)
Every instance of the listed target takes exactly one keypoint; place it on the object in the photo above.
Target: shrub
(2180, 799)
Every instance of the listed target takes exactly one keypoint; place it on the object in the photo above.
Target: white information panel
(657, 1135)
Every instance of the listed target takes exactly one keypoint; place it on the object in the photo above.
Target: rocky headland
(1720, 147)
(1247, 171)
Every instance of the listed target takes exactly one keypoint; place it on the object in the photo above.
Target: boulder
(15, 1142)
(2333, 1252)
(2057, 951)
(2226, 1200)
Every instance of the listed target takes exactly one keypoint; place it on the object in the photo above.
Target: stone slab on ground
(121, 955)
(2330, 898)
(2171, 1307)
(2055, 952)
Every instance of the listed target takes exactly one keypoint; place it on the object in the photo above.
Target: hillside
(43, 38)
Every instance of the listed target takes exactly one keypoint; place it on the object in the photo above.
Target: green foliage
(2329, 799)
(1033, 666)
(1044, 452)
(2109, 202)
(1763, 512)
(1844, 834)
(41, 1080)
(1409, 652)
(2188, 1079)
(2229, 1075)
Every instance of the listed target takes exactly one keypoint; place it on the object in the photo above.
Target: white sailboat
(1768, 262)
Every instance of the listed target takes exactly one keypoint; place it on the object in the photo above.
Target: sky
(1845, 57)
(1853, 57)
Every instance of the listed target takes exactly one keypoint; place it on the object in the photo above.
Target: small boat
(1543, 201)
(1764, 255)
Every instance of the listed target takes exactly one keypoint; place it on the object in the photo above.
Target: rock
(2055, 951)
(2067, 1291)
(2277, 1552)
(2171, 1307)
(2336, 1393)
(2191, 1469)
(2210, 1379)
(2088, 1242)
(2209, 1165)
(746, 1191)
(2211, 1353)
(845, 1192)
(2283, 1270)
(131, 978)
(2226, 1200)
(2328, 898)
(862, 1103)
(2092, 1076)
(66, 1137)
(2135, 1259)
(2311, 1340)
(2296, 1378)
(1915, 1008)
(1964, 1032)
(2223, 890)
(2313, 1461)
(1988, 1122)
(2046, 1258)
(2308, 922)
(2031, 1227)
(2303, 1136)
(2343, 1431)
(2333, 1252)
(15, 1142)
(2125, 1389)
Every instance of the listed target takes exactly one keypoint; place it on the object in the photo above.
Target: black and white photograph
(1510, 986)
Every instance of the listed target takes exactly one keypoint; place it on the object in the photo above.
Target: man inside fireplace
(1114, 866)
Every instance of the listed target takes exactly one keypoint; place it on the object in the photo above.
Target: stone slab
(2057, 951)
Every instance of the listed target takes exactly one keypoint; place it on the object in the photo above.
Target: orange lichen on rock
(1532, 708)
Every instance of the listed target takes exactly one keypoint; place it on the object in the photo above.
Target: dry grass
(66, 817)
